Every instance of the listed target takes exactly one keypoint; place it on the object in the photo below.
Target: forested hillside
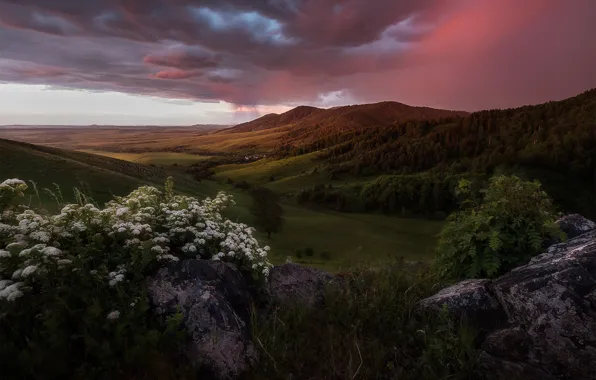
(553, 142)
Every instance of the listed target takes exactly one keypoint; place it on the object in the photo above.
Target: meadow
(338, 241)
(154, 158)
(197, 139)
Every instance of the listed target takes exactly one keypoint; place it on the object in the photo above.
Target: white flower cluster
(37, 260)
(143, 226)
(12, 186)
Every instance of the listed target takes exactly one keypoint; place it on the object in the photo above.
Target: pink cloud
(173, 74)
(458, 54)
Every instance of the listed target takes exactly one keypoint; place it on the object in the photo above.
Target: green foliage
(267, 211)
(370, 331)
(503, 230)
(73, 300)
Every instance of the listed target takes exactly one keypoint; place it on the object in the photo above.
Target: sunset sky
(182, 62)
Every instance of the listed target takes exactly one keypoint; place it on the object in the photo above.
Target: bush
(503, 230)
(325, 255)
(243, 185)
(309, 252)
(72, 295)
(372, 331)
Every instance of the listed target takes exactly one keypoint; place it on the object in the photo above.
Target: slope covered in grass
(98, 176)
(154, 158)
(261, 171)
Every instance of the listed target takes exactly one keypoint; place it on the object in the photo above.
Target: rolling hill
(301, 124)
(98, 176)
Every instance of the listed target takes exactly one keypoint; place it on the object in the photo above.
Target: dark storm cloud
(288, 51)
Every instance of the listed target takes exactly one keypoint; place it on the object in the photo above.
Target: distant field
(144, 139)
(155, 158)
(288, 175)
(261, 171)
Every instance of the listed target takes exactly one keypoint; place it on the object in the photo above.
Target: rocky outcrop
(551, 314)
(298, 285)
(214, 300)
(574, 225)
(471, 299)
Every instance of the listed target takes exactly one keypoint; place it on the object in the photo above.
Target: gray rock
(550, 305)
(298, 285)
(509, 343)
(550, 299)
(470, 298)
(574, 225)
(214, 300)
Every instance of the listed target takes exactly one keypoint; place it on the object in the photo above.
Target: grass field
(155, 158)
(349, 239)
(288, 175)
(145, 139)
(100, 177)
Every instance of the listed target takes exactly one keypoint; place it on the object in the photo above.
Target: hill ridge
(304, 120)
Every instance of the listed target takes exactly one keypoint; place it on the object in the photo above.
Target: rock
(493, 368)
(550, 299)
(550, 305)
(574, 225)
(298, 285)
(469, 298)
(214, 300)
(509, 343)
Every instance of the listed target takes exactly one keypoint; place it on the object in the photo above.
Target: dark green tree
(267, 211)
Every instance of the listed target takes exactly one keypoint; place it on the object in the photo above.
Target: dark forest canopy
(554, 142)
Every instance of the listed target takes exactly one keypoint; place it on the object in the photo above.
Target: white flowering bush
(71, 284)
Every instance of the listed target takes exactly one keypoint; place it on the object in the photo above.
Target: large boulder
(213, 298)
(550, 298)
(550, 305)
(295, 284)
(470, 298)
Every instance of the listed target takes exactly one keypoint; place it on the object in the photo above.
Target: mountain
(303, 122)
(274, 120)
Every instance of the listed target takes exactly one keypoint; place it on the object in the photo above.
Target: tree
(267, 211)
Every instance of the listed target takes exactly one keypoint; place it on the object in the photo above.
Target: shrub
(309, 252)
(242, 185)
(325, 255)
(72, 295)
(503, 230)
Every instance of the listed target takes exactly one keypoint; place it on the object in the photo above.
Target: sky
(185, 62)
